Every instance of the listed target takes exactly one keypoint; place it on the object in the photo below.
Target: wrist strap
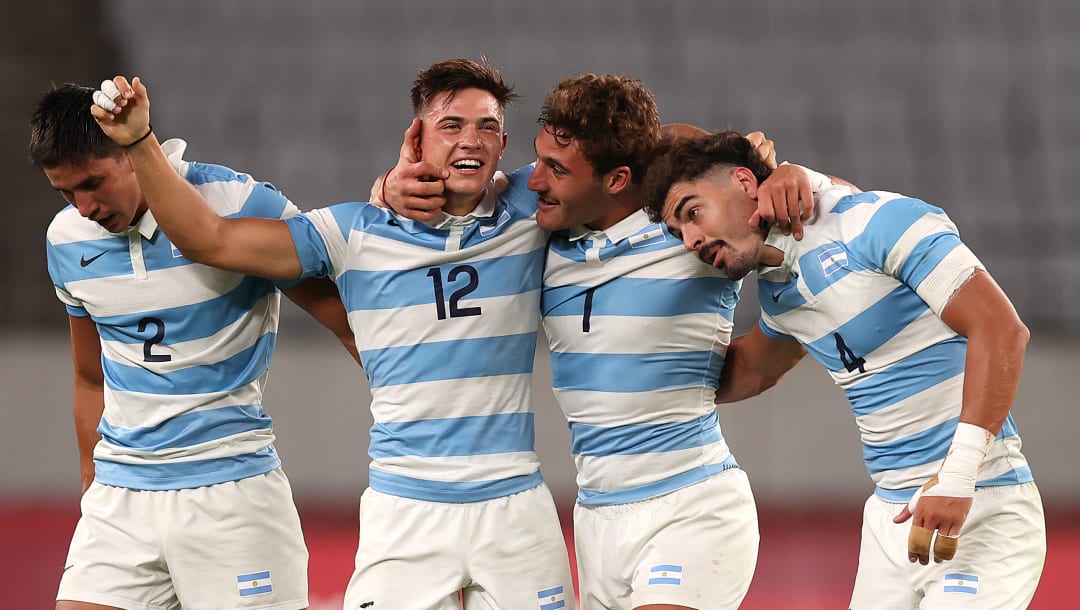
(146, 135)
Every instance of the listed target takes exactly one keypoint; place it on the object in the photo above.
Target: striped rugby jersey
(445, 320)
(638, 328)
(863, 292)
(185, 347)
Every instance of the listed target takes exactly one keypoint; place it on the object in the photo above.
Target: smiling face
(462, 132)
(571, 193)
(710, 214)
(104, 190)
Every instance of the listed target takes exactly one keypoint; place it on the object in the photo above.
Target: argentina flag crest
(256, 583)
(665, 574)
(551, 599)
(958, 582)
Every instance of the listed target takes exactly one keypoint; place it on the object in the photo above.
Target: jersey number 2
(435, 274)
(158, 337)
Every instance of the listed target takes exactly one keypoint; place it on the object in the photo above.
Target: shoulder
(69, 226)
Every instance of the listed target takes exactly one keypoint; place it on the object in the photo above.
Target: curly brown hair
(613, 119)
(688, 159)
(457, 74)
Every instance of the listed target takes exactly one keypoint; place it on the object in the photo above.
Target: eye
(493, 128)
(450, 126)
(692, 213)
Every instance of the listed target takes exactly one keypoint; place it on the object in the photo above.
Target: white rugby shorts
(230, 545)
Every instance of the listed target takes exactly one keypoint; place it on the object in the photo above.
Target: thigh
(604, 572)
(115, 558)
(884, 578)
(237, 545)
(1000, 557)
(411, 554)
(518, 552)
(699, 546)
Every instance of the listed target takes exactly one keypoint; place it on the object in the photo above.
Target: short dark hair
(454, 75)
(62, 130)
(613, 119)
(689, 159)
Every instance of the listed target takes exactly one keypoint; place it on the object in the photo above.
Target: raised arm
(413, 188)
(254, 246)
(89, 399)
(754, 363)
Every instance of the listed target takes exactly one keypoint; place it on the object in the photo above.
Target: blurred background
(971, 105)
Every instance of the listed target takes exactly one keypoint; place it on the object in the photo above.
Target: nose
(470, 137)
(692, 239)
(536, 180)
(86, 205)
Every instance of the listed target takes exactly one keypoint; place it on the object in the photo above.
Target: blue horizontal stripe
(889, 222)
(926, 256)
(188, 322)
(593, 497)
(899, 496)
(575, 250)
(635, 372)
(645, 297)
(778, 298)
(916, 373)
(914, 450)
(450, 491)
(846, 203)
(256, 590)
(185, 475)
(772, 333)
(956, 589)
(495, 277)
(871, 328)
(440, 360)
(1016, 476)
(666, 567)
(637, 439)
(64, 259)
(310, 247)
(549, 592)
(554, 605)
(189, 429)
(960, 576)
(264, 201)
(253, 576)
(158, 253)
(665, 581)
(476, 435)
(207, 173)
(234, 372)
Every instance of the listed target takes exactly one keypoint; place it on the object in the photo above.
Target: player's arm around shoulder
(255, 246)
(89, 394)
(321, 299)
(754, 363)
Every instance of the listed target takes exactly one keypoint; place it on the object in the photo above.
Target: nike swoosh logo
(776, 296)
(86, 261)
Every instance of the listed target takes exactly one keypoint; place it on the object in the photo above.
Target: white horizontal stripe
(154, 409)
(459, 469)
(238, 444)
(921, 333)
(837, 304)
(451, 398)
(69, 227)
(928, 224)
(504, 315)
(615, 472)
(639, 335)
(669, 264)
(1004, 456)
(906, 477)
(671, 405)
(918, 413)
(162, 289)
(227, 342)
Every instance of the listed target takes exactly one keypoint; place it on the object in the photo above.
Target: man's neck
(618, 208)
(461, 205)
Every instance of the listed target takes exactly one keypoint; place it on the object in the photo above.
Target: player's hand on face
(414, 187)
(944, 515)
(785, 199)
(122, 109)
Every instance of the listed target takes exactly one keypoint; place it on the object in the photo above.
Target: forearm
(755, 363)
(320, 298)
(89, 404)
(992, 375)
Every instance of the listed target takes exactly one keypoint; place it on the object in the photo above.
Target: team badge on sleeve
(665, 574)
(551, 599)
(961, 583)
(255, 583)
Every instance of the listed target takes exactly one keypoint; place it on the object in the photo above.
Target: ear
(505, 139)
(745, 179)
(617, 180)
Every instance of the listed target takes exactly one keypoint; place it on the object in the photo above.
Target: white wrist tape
(818, 182)
(959, 471)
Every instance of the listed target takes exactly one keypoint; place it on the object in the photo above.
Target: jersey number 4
(435, 273)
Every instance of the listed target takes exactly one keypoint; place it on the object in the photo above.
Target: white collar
(484, 209)
(617, 232)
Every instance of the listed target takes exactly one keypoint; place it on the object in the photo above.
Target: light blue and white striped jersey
(638, 329)
(445, 320)
(863, 291)
(185, 347)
